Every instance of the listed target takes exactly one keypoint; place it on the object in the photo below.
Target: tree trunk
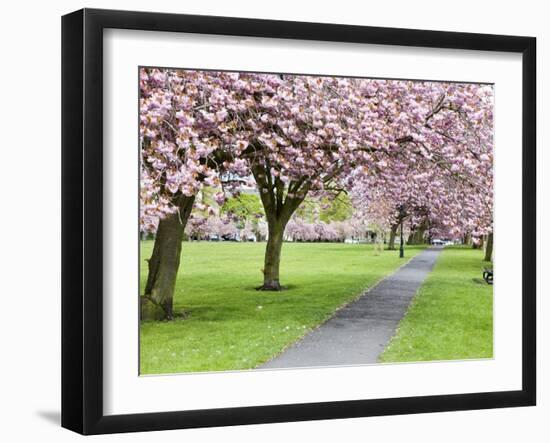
(420, 235)
(278, 209)
(391, 242)
(157, 302)
(417, 237)
(257, 234)
(489, 248)
(273, 257)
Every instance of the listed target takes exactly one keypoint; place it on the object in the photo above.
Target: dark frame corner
(82, 132)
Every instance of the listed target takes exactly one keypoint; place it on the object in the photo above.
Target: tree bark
(417, 236)
(489, 247)
(157, 301)
(421, 237)
(393, 232)
(272, 259)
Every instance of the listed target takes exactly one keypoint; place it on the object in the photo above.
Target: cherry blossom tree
(292, 136)
(444, 182)
(298, 229)
(181, 149)
(301, 135)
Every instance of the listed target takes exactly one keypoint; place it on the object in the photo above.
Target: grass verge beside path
(231, 326)
(451, 317)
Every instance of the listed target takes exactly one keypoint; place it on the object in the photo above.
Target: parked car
(442, 242)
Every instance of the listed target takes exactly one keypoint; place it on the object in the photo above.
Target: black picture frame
(82, 218)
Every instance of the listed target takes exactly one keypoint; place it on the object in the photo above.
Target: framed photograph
(268, 221)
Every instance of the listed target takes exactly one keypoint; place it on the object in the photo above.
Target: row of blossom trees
(232, 223)
(423, 146)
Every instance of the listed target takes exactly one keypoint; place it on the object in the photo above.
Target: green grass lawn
(451, 317)
(229, 325)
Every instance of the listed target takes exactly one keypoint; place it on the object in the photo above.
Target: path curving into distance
(360, 331)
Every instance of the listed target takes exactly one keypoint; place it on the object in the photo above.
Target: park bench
(488, 275)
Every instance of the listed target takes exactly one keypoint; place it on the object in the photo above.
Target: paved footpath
(360, 331)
